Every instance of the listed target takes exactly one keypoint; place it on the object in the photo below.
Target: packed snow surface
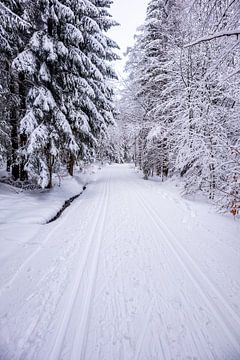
(130, 271)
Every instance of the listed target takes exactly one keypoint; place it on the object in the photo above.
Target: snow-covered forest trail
(130, 271)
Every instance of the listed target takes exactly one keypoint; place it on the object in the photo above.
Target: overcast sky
(130, 14)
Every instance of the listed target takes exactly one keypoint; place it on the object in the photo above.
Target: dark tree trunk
(23, 172)
(70, 165)
(23, 138)
(14, 146)
(50, 168)
(9, 162)
(13, 86)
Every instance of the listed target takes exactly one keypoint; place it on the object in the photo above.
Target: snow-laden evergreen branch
(6, 10)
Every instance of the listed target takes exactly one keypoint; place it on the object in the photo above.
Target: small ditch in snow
(66, 205)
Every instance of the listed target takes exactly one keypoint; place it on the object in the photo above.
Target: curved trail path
(129, 272)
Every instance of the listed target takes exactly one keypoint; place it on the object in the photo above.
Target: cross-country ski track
(130, 271)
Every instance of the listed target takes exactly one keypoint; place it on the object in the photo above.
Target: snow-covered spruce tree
(64, 109)
(133, 107)
(102, 60)
(14, 30)
(111, 147)
(91, 109)
(44, 125)
(99, 49)
(127, 130)
(159, 33)
(162, 39)
(155, 160)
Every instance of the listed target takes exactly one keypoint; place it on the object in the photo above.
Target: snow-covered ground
(23, 215)
(130, 271)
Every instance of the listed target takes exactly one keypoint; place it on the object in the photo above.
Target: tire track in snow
(90, 260)
(221, 310)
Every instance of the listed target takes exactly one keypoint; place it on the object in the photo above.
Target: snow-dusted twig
(235, 32)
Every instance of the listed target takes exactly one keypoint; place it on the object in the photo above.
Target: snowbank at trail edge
(22, 213)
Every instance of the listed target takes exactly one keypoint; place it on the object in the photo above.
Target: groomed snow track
(127, 273)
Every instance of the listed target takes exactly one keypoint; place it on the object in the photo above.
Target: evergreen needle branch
(14, 15)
